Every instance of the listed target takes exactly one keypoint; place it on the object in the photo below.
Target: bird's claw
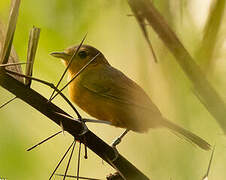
(115, 152)
(113, 145)
(116, 142)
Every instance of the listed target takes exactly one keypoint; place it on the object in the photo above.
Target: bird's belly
(89, 102)
(102, 108)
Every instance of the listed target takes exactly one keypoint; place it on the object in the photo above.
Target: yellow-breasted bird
(107, 94)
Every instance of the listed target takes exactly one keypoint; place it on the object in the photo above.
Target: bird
(107, 94)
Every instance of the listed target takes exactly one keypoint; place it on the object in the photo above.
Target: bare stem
(44, 141)
(11, 64)
(6, 103)
(68, 164)
(61, 160)
(79, 158)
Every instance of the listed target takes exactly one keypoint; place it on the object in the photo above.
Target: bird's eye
(82, 54)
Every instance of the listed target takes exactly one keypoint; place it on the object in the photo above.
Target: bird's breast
(88, 101)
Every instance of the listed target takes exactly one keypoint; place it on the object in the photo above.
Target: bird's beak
(61, 55)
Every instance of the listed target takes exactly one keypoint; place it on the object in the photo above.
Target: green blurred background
(159, 153)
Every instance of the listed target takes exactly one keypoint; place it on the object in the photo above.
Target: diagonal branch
(75, 128)
(50, 85)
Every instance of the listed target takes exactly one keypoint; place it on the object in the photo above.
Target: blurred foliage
(118, 36)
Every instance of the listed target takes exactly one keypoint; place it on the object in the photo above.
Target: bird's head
(84, 55)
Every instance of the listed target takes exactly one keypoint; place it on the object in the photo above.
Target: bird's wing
(112, 84)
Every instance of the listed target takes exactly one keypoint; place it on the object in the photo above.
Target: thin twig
(3, 105)
(61, 160)
(84, 67)
(51, 86)
(85, 147)
(97, 121)
(68, 164)
(85, 119)
(79, 158)
(62, 76)
(64, 115)
(141, 21)
(210, 162)
(70, 176)
(50, 137)
(11, 64)
(30, 77)
(62, 127)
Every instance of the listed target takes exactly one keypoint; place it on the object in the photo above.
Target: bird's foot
(115, 152)
(116, 142)
(119, 139)
(113, 145)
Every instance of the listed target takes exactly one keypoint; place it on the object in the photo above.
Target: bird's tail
(187, 135)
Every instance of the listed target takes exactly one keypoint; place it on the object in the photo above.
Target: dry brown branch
(75, 128)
